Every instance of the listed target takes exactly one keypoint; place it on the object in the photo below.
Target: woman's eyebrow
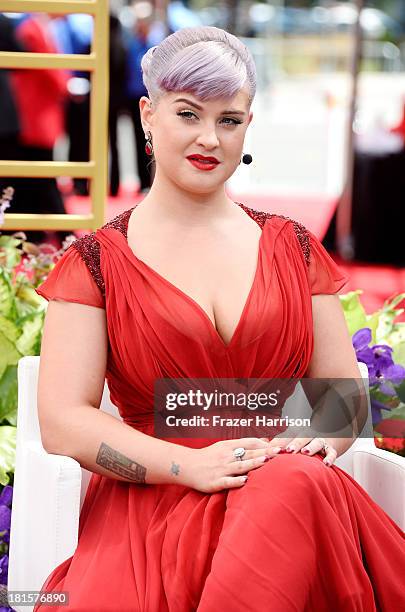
(226, 112)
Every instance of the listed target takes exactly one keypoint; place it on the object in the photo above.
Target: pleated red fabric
(299, 536)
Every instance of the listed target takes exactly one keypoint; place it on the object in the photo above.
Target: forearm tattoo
(175, 469)
(119, 464)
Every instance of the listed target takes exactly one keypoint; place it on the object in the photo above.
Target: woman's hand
(214, 468)
(310, 446)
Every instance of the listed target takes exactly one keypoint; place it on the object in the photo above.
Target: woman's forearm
(340, 413)
(103, 444)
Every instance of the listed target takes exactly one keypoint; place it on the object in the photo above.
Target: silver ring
(239, 452)
(325, 446)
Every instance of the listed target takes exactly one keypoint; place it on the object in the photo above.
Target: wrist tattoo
(175, 469)
(116, 462)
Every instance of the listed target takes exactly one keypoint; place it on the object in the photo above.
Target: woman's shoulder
(301, 232)
(89, 247)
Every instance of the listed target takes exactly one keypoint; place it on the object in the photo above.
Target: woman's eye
(186, 116)
(234, 121)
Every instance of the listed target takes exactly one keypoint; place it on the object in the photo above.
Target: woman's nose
(208, 137)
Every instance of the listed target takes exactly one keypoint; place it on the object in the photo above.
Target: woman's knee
(301, 470)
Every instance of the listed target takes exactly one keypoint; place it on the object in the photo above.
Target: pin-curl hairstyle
(204, 60)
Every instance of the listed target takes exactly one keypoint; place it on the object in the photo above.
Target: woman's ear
(145, 110)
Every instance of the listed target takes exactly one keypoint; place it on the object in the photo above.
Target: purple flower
(361, 340)
(376, 408)
(382, 371)
(378, 358)
(3, 569)
(6, 495)
(5, 520)
(395, 373)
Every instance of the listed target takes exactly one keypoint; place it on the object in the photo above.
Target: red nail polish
(306, 451)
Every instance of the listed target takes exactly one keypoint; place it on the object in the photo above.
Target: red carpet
(378, 282)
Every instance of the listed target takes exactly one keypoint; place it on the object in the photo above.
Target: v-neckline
(225, 345)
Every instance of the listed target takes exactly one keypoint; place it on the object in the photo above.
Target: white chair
(49, 489)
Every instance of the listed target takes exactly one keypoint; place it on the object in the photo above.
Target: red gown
(298, 536)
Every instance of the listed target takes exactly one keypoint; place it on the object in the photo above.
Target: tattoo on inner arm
(116, 462)
(175, 469)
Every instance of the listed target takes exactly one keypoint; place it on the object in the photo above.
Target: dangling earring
(148, 146)
(247, 158)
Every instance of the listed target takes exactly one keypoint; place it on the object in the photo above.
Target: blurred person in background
(118, 66)
(138, 44)
(74, 34)
(9, 121)
(40, 96)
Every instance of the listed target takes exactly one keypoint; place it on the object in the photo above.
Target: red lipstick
(202, 162)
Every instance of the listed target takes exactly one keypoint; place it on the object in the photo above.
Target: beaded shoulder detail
(120, 222)
(89, 250)
(89, 247)
(300, 230)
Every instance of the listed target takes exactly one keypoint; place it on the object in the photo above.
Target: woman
(189, 284)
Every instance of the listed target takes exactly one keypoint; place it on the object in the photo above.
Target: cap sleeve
(71, 280)
(325, 276)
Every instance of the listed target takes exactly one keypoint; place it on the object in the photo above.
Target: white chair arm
(49, 491)
(382, 474)
(48, 528)
(345, 461)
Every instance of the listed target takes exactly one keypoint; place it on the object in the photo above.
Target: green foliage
(23, 267)
(8, 437)
(382, 323)
(385, 331)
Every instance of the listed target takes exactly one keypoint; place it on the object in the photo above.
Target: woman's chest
(217, 275)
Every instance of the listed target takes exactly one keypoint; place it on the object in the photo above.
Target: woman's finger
(297, 444)
(330, 456)
(316, 446)
(277, 444)
(248, 443)
(288, 437)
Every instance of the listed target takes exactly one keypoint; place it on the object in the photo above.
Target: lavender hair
(205, 61)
